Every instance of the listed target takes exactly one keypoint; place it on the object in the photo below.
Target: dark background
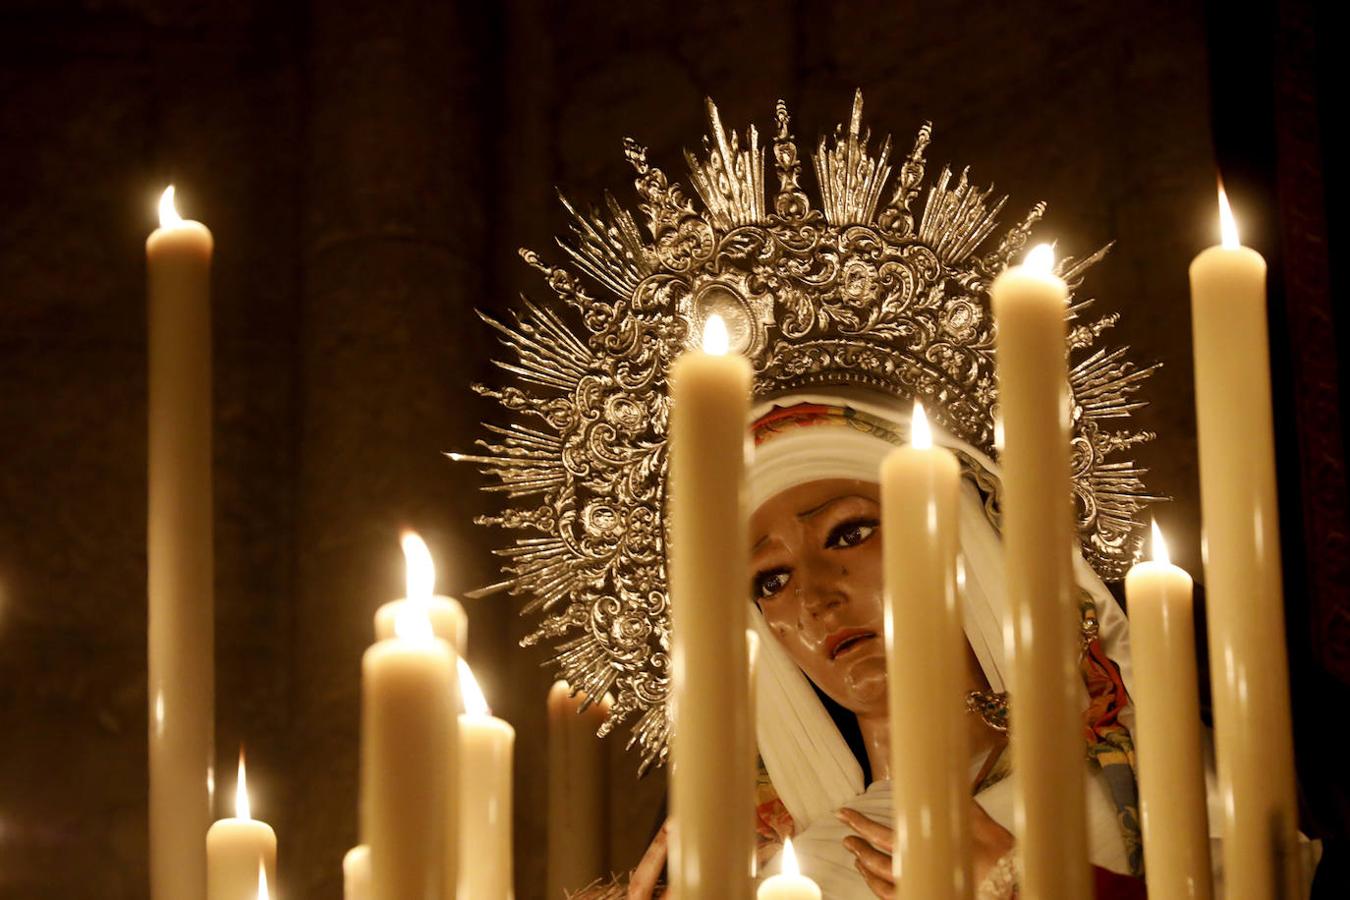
(368, 170)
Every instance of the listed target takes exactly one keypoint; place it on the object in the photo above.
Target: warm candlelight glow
(168, 213)
(790, 866)
(1159, 545)
(1041, 259)
(242, 810)
(998, 433)
(421, 571)
(1227, 224)
(920, 435)
(262, 883)
(475, 704)
(715, 338)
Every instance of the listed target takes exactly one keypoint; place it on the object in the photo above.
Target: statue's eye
(851, 533)
(771, 582)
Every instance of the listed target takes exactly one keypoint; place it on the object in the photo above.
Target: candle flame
(168, 213)
(1041, 259)
(411, 622)
(263, 893)
(716, 340)
(920, 435)
(475, 704)
(1159, 545)
(242, 810)
(790, 866)
(421, 571)
(998, 433)
(1227, 224)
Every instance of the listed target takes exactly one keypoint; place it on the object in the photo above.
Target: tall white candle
(578, 792)
(181, 655)
(485, 748)
(1248, 664)
(1047, 743)
(712, 778)
(356, 874)
(409, 738)
(1167, 731)
(926, 674)
(790, 883)
(236, 846)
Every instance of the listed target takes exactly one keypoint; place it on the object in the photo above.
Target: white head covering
(811, 766)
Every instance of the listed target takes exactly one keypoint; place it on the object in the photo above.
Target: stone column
(393, 249)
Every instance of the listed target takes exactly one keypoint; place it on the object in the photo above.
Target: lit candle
(181, 618)
(448, 621)
(1248, 665)
(712, 778)
(926, 675)
(1047, 744)
(262, 893)
(790, 883)
(409, 739)
(235, 848)
(1167, 730)
(485, 747)
(578, 792)
(356, 874)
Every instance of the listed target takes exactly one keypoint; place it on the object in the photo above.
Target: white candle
(485, 748)
(409, 738)
(1167, 730)
(789, 884)
(578, 792)
(181, 616)
(235, 847)
(712, 778)
(1047, 742)
(356, 874)
(1248, 665)
(448, 621)
(926, 672)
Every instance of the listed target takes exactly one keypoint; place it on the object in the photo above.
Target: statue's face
(816, 573)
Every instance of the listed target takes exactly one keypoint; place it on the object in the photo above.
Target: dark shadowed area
(368, 170)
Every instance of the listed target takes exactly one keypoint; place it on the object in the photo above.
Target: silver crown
(864, 291)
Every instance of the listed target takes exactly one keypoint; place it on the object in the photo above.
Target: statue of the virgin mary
(849, 311)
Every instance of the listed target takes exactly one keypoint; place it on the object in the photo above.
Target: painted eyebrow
(808, 513)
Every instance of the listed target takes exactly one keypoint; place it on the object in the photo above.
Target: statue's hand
(643, 879)
(872, 845)
(871, 848)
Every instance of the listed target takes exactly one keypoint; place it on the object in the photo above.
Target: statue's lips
(845, 639)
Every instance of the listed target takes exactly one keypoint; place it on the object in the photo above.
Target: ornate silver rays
(869, 289)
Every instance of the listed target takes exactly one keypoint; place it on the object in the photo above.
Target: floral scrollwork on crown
(864, 286)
